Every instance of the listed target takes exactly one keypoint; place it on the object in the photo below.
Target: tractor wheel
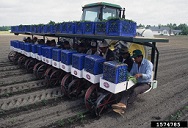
(91, 96)
(11, 56)
(65, 82)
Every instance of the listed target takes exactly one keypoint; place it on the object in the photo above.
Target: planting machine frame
(98, 95)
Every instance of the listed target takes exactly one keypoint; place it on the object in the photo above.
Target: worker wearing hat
(124, 57)
(142, 71)
(34, 40)
(66, 45)
(82, 48)
(105, 52)
(24, 39)
(93, 48)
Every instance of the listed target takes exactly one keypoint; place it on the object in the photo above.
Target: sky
(146, 12)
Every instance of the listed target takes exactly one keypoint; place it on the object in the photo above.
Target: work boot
(119, 106)
(119, 111)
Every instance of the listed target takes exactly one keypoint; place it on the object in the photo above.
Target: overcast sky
(147, 12)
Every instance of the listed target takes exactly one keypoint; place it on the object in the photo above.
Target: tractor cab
(101, 11)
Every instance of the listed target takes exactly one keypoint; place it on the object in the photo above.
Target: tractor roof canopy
(102, 4)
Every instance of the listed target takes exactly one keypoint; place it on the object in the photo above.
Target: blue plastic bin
(121, 28)
(78, 60)
(34, 48)
(39, 49)
(48, 52)
(57, 28)
(114, 72)
(56, 54)
(79, 27)
(101, 28)
(94, 64)
(70, 27)
(66, 56)
(88, 28)
(64, 27)
(22, 47)
(27, 47)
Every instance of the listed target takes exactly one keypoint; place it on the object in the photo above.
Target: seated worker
(93, 48)
(105, 52)
(75, 46)
(124, 57)
(60, 43)
(53, 43)
(40, 41)
(28, 40)
(66, 45)
(142, 71)
(82, 48)
(34, 40)
(24, 39)
(48, 42)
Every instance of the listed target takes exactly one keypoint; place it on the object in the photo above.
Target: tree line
(5, 28)
(182, 27)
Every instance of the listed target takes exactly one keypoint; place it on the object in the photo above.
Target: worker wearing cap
(142, 71)
(124, 57)
(34, 40)
(82, 48)
(105, 52)
(93, 48)
(66, 45)
(24, 39)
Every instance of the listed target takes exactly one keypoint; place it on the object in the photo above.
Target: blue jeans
(129, 96)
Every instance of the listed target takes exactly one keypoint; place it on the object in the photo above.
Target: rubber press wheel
(36, 68)
(11, 55)
(91, 96)
(65, 82)
(74, 88)
(103, 103)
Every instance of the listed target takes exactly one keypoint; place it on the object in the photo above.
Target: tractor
(102, 11)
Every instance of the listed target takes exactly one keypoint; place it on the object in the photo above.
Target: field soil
(26, 102)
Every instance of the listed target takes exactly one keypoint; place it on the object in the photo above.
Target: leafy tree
(4, 28)
(51, 22)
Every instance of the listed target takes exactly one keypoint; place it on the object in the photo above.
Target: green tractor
(102, 11)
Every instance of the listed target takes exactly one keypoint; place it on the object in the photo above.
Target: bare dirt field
(26, 103)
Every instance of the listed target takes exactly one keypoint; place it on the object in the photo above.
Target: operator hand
(138, 75)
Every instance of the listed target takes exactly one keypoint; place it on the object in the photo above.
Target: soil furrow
(169, 74)
(6, 64)
(16, 88)
(171, 56)
(18, 79)
(174, 62)
(29, 98)
(45, 116)
(167, 52)
(12, 73)
(8, 68)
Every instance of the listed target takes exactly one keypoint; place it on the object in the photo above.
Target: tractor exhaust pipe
(120, 13)
(123, 16)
